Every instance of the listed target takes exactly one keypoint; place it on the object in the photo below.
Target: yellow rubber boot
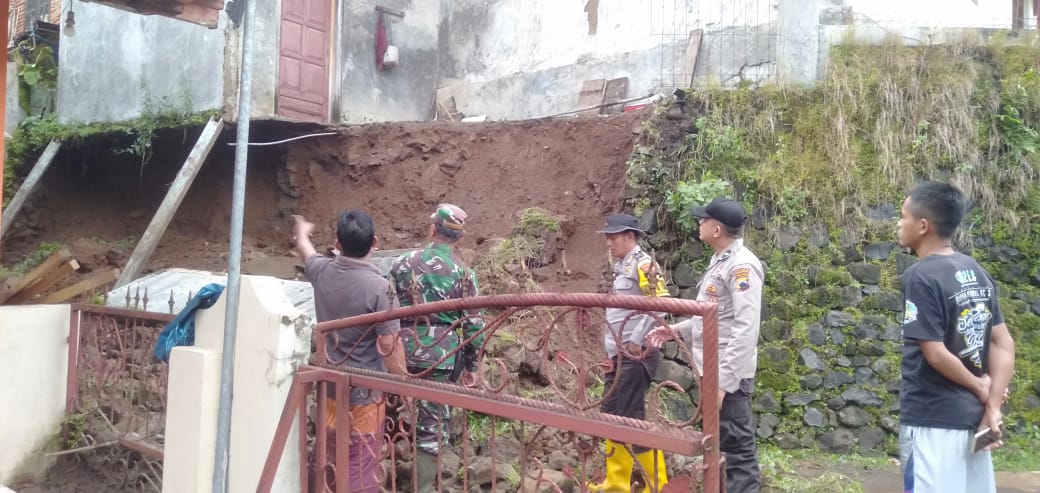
(647, 460)
(619, 470)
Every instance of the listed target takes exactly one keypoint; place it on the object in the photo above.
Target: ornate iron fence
(505, 436)
(114, 378)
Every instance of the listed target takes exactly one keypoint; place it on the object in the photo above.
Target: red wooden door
(303, 71)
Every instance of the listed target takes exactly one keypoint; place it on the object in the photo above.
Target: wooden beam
(205, 13)
(28, 186)
(693, 48)
(53, 277)
(168, 207)
(34, 275)
(92, 282)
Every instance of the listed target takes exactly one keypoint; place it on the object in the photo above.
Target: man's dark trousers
(737, 434)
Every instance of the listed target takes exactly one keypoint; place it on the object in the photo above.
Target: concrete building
(316, 60)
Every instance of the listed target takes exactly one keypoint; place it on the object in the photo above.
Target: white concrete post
(274, 340)
(191, 420)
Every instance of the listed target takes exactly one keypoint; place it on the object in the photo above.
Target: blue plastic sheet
(181, 331)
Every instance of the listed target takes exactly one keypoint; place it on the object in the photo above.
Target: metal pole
(4, 12)
(238, 199)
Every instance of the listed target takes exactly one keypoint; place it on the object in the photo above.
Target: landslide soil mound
(97, 200)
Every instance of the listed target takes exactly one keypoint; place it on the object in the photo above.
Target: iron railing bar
(626, 430)
(583, 300)
(123, 312)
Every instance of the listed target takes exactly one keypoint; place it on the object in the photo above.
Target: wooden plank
(591, 95)
(615, 90)
(53, 277)
(28, 186)
(174, 196)
(52, 262)
(92, 282)
(693, 48)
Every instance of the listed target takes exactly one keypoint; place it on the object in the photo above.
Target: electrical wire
(301, 137)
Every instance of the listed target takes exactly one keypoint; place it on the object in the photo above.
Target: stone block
(766, 402)
(886, 300)
(810, 382)
(787, 237)
(775, 330)
(871, 438)
(904, 261)
(811, 360)
(835, 379)
(853, 416)
(837, 319)
(865, 273)
(817, 335)
(801, 399)
(813, 417)
(878, 251)
(684, 276)
(862, 397)
(671, 371)
(839, 440)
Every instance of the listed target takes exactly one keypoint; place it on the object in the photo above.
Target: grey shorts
(937, 460)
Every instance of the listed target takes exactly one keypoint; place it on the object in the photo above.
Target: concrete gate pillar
(274, 339)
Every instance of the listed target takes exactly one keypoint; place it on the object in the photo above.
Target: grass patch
(506, 266)
(781, 469)
(480, 426)
(1021, 451)
(34, 259)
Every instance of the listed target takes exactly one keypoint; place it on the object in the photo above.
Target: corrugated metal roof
(179, 283)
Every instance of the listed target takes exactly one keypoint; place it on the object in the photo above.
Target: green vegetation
(132, 137)
(827, 163)
(785, 471)
(481, 426)
(36, 69)
(506, 266)
(33, 259)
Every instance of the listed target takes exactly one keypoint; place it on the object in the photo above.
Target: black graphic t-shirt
(949, 298)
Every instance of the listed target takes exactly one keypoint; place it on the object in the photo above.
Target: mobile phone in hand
(984, 438)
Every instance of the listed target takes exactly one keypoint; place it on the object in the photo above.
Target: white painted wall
(274, 338)
(934, 13)
(120, 62)
(533, 35)
(33, 371)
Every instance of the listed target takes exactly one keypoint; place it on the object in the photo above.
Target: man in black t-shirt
(958, 355)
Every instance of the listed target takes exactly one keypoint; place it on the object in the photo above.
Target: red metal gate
(504, 437)
(303, 68)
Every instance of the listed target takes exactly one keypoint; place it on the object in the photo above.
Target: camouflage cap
(450, 216)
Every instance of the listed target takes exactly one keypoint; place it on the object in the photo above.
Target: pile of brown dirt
(98, 202)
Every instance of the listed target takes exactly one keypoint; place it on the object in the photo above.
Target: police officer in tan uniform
(633, 363)
(734, 281)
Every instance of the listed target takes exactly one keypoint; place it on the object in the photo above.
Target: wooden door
(303, 70)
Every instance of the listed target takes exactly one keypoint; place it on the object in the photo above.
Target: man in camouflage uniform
(633, 363)
(432, 344)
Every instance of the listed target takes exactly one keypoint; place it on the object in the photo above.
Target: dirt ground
(98, 202)
(889, 479)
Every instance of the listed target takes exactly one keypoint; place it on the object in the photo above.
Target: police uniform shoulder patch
(742, 276)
